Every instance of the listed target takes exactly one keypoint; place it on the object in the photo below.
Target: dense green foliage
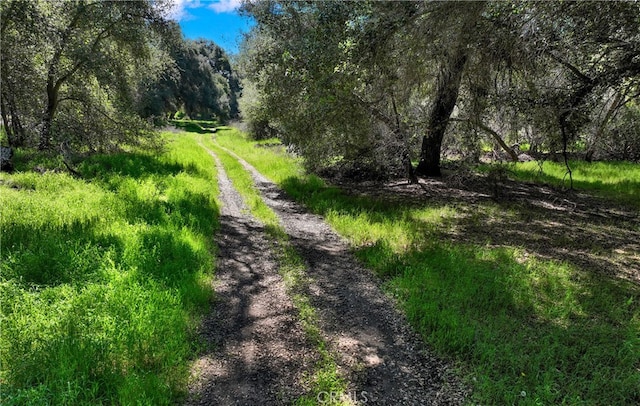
(201, 85)
(87, 76)
(70, 70)
(371, 86)
(524, 330)
(102, 279)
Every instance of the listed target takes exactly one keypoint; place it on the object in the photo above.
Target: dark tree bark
(11, 122)
(445, 100)
(47, 120)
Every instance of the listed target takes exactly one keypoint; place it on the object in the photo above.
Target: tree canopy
(90, 75)
(376, 85)
(201, 83)
(69, 69)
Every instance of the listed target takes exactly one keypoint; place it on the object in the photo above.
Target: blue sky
(217, 20)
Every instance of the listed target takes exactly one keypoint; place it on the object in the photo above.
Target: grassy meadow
(521, 328)
(103, 279)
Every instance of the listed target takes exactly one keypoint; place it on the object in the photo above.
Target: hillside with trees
(201, 85)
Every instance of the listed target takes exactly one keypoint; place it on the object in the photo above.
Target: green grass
(196, 126)
(522, 330)
(614, 180)
(102, 279)
(325, 377)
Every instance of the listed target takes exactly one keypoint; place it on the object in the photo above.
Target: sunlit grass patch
(617, 180)
(102, 279)
(243, 182)
(277, 166)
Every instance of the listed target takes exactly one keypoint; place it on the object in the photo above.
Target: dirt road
(260, 354)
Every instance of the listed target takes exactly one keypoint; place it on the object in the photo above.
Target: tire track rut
(259, 352)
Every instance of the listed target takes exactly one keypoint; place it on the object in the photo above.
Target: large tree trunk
(47, 120)
(445, 100)
(429, 164)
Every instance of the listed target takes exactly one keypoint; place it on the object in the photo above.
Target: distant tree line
(89, 75)
(375, 87)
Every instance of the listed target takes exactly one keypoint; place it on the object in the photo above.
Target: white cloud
(179, 10)
(225, 6)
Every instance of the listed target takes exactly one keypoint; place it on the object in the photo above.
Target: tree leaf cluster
(91, 75)
(70, 69)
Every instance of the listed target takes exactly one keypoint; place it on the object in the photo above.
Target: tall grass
(102, 279)
(523, 330)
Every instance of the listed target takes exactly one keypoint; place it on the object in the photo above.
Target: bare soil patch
(257, 352)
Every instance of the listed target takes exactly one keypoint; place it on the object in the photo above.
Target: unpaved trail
(383, 360)
(258, 348)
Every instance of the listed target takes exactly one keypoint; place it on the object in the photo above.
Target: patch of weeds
(103, 280)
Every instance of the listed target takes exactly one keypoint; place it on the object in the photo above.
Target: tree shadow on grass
(591, 233)
(50, 256)
(551, 331)
(530, 329)
(78, 252)
(594, 176)
(107, 294)
(195, 126)
(602, 245)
